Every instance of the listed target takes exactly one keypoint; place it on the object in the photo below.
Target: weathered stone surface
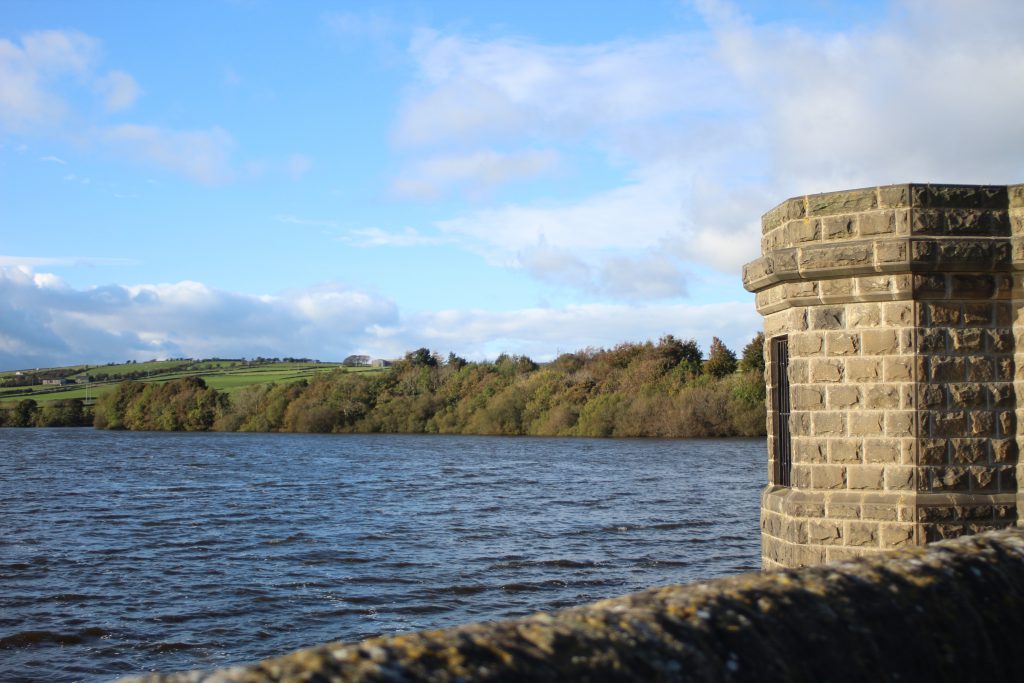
(852, 201)
(909, 377)
(958, 605)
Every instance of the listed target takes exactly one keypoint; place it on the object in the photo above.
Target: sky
(259, 178)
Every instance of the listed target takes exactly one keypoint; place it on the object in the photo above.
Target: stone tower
(893, 340)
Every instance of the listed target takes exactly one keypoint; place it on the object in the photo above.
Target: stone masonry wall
(901, 309)
(951, 611)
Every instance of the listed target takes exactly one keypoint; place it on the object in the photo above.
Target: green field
(224, 375)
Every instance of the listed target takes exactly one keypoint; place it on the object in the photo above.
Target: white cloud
(43, 321)
(543, 332)
(50, 159)
(375, 237)
(28, 69)
(709, 131)
(930, 94)
(46, 322)
(517, 86)
(203, 155)
(479, 171)
(118, 89)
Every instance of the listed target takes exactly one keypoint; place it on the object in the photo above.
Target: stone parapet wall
(949, 611)
(901, 305)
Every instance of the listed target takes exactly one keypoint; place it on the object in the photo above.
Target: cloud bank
(45, 322)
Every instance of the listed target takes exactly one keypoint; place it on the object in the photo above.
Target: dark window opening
(780, 411)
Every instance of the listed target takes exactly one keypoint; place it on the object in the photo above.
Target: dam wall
(948, 611)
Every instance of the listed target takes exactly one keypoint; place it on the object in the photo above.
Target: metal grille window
(780, 410)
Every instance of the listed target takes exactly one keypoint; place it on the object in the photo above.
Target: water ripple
(128, 552)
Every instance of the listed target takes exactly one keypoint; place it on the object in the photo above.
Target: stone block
(826, 370)
(794, 530)
(950, 479)
(1016, 196)
(897, 370)
(878, 223)
(946, 369)
(899, 423)
(967, 340)
(924, 254)
(1004, 450)
(944, 315)
(839, 227)
(999, 340)
(800, 476)
(843, 396)
(836, 289)
(1007, 423)
(899, 478)
(898, 314)
(791, 209)
(842, 510)
(896, 535)
(879, 342)
(981, 424)
(879, 511)
(968, 451)
(932, 340)
(859, 316)
(842, 343)
(828, 477)
(827, 258)
(1006, 370)
(861, 534)
(863, 369)
(1000, 394)
(891, 255)
(803, 230)
(881, 451)
(827, 318)
(967, 395)
(865, 477)
(824, 532)
(785, 322)
(930, 286)
(983, 478)
(1007, 479)
(799, 371)
(807, 397)
(981, 369)
(828, 424)
(931, 396)
(948, 424)
(860, 423)
(934, 451)
(978, 314)
(807, 344)
(959, 196)
(809, 451)
(882, 396)
(844, 451)
(973, 286)
(852, 201)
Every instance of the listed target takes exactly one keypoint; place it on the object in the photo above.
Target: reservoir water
(124, 552)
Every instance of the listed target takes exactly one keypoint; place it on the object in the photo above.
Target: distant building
(58, 382)
(380, 363)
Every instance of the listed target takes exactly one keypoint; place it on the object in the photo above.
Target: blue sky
(318, 179)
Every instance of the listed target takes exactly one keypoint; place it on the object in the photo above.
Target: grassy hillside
(225, 375)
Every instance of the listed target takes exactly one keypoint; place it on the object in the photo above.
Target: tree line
(663, 389)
